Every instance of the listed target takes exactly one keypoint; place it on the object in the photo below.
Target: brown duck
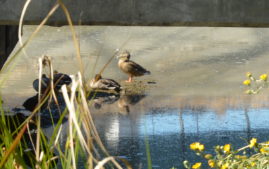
(106, 84)
(131, 68)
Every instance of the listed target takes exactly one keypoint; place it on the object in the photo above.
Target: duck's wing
(109, 83)
(113, 83)
(136, 67)
(46, 80)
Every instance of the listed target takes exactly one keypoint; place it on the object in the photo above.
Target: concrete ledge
(143, 12)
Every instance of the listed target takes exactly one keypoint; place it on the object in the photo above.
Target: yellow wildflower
(252, 164)
(249, 74)
(227, 148)
(262, 150)
(201, 147)
(264, 77)
(225, 166)
(195, 146)
(211, 163)
(247, 82)
(253, 142)
(197, 165)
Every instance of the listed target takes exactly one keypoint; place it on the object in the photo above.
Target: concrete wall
(143, 12)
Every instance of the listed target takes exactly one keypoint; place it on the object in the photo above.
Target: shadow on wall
(8, 40)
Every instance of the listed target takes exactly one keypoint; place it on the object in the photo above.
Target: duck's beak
(119, 56)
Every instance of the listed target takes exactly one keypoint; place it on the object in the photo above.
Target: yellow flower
(225, 166)
(201, 147)
(262, 150)
(253, 142)
(252, 164)
(249, 74)
(211, 163)
(247, 82)
(194, 146)
(197, 165)
(227, 148)
(197, 145)
(263, 77)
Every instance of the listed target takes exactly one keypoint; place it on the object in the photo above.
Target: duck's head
(125, 55)
(55, 72)
(97, 77)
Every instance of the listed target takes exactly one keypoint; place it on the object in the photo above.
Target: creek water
(197, 94)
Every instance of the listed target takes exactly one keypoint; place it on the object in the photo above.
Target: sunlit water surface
(198, 93)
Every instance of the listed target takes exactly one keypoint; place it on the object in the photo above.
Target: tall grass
(82, 135)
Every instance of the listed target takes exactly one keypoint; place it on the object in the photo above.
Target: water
(198, 94)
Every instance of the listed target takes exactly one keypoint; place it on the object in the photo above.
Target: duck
(65, 79)
(105, 84)
(31, 103)
(44, 83)
(130, 67)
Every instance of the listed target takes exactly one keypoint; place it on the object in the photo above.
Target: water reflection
(48, 109)
(128, 100)
(99, 101)
(31, 103)
(172, 125)
(197, 93)
(125, 100)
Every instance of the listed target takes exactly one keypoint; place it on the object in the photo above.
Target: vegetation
(78, 144)
(226, 157)
(263, 80)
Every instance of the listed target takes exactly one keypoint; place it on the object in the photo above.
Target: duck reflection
(99, 101)
(30, 104)
(126, 101)
(47, 110)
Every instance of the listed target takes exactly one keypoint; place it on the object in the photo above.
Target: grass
(82, 135)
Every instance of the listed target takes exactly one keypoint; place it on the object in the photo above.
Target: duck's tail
(115, 88)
